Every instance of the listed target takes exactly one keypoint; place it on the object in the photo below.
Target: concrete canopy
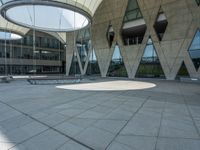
(88, 6)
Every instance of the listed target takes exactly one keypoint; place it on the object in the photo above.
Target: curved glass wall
(45, 15)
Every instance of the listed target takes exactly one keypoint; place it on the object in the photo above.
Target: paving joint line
(73, 139)
(127, 122)
(49, 127)
(190, 114)
(161, 119)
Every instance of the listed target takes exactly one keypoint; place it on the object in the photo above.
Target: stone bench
(6, 79)
(54, 80)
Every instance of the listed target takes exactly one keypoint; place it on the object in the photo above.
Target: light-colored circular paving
(119, 85)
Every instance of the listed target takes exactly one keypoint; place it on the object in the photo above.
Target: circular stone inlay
(119, 85)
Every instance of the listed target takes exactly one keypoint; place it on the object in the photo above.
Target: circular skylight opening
(45, 15)
(4, 35)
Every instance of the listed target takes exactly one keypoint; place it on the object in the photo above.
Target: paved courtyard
(127, 115)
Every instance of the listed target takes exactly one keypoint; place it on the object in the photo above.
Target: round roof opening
(45, 15)
(5, 35)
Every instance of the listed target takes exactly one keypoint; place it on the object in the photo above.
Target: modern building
(117, 38)
(48, 58)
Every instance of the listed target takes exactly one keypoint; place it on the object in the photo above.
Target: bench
(54, 80)
(6, 79)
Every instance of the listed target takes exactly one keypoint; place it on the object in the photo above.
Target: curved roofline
(13, 4)
(11, 31)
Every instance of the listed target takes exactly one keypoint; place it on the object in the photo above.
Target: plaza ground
(100, 114)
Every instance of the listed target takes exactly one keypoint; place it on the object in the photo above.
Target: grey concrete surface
(172, 50)
(44, 117)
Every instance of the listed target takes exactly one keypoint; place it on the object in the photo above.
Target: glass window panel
(194, 50)
(133, 11)
(93, 67)
(117, 67)
(92, 56)
(196, 41)
(150, 66)
(183, 72)
(117, 54)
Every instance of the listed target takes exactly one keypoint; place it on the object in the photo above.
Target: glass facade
(194, 50)
(93, 67)
(134, 27)
(117, 68)
(18, 56)
(83, 43)
(132, 11)
(182, 73)
(150, 66)
(74, 69)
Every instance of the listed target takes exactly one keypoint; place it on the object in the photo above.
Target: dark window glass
(198, 2)
(134, 27)
(194, 50)
(182, 73)
(75, 69)
(117, 68)
(132, 11)
(150, 66)
(160, 25)
(93, 67)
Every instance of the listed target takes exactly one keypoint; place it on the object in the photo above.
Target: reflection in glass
(21, 58)
(74, 69)
(132, 11)
(182, 73)
(93, 67)
(194, 50)
(134, 26)
(117, 68)
(150, 66)
(83, 43)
